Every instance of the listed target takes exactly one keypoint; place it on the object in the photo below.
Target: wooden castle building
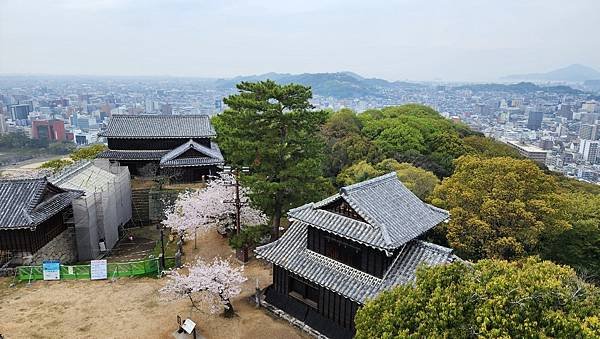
(36, 222)
(343, 250)
(163, 143)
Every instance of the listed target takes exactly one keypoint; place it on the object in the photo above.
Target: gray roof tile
(291, 253)
(132, 155)
(192, 162)
(159, 126)
(213, 152)
(393, 214)
(23, 202)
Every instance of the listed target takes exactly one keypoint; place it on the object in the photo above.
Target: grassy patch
(170, 248)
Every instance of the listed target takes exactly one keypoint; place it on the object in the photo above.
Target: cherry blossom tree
(201, 209)
(210, 284)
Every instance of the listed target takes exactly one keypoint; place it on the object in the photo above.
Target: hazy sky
(395, 40)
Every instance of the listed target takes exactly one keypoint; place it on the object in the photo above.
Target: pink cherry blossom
(199, 210)
(210, 284)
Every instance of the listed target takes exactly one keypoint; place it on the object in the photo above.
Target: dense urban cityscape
(557, 126)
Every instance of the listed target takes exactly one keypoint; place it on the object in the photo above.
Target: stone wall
(62, 248)
(158, 200)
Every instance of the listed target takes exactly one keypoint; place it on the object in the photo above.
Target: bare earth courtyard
(130, 308)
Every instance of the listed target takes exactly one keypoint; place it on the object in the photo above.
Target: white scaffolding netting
(105, 206)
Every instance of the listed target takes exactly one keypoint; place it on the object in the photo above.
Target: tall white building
(589, 106)
(3, 125)
(589, 132)
(590, 150)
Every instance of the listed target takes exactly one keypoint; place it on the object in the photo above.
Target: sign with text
(98, 269)
(51, 269)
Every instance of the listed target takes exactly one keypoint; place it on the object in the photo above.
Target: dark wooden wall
(195, 174)
(25, 240)
(152, 144)
(373, 261)
(334, 316)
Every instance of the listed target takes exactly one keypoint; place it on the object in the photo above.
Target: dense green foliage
(274, 130)
(579, 246)
(507, 208)
(490, 148)
(489, 299)
(418, 180)
(410, 133)
(19, 141)
(500, 207)
(56, 164)
(250, 236)
(88, 152)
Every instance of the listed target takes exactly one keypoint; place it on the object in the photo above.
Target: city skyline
(441, 40)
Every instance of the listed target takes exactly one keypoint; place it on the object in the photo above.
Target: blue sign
(51, 269)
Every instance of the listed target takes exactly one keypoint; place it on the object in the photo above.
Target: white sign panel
(51, 269)
(188, 326)
(98, 269)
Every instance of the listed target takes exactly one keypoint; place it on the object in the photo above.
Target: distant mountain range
(348, 85)
(572, 73)
(338, 85)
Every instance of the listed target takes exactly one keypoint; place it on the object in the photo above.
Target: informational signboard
(51, 269)
(98, 269)
(188, 326)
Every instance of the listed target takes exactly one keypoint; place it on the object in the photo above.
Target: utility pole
(162, 248)
(242, 253)
(238, 203)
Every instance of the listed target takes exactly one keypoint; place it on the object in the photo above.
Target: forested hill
(339, 85)
(346, 85)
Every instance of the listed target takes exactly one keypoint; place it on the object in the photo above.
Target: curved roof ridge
(191, 144)
(368, 183)
(346, 195)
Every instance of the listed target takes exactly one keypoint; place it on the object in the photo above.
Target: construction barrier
(148, 267)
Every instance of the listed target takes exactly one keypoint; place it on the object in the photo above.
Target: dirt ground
(130, 308)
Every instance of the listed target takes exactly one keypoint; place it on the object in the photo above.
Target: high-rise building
(50, 130)
(530, 151)
(516, 102)
(20, 111)
(589, 106)
(481, 109)
(565, 111)
(588, 118)
(534, 122)
(589, 132)
(589, 149)
(3, 126)
(166, 109)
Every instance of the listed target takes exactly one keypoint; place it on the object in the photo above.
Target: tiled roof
(22, 204)
(192, 162)
(132, 155)
(290, 253)
(393, 215)
(213, 152)
(159, 126)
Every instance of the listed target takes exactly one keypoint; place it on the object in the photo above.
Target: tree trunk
(276, 220)
(229, 312)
